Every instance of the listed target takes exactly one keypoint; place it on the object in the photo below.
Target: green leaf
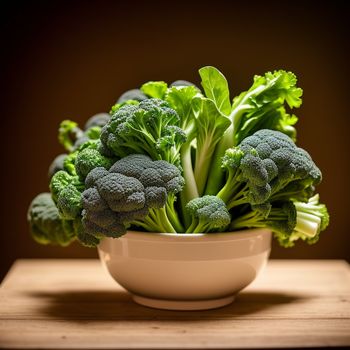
(155, 89)
(211, 125)
(263, 105)
(216, 88)
(180, 99)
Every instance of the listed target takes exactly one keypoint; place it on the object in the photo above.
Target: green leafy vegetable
(216, 88)
(154, 89)
(172, 158)
(211, 125)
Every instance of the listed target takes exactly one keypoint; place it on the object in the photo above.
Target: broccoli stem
(251, 219)
(308, 224)
(172, 213)
(190, 190)
(233, 193)
(217, 174)
(197, 227)
(158, 221)
(146, 140)
(192, 226)
(203, 163)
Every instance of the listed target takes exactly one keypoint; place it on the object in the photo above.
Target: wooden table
(75, 304)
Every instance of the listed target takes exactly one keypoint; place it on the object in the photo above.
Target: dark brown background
(73, 59)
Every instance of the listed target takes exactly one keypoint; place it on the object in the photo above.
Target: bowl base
(184, 305)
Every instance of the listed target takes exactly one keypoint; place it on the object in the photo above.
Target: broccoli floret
(260, 107)
(67, 185)
(150, 128)
(289, 220)
(88, 159)
(267, 166)
(69, 202)
(281, 219)
(135, 190)
(85, 158)
(57, 164)
(66, 192)
(208, 214)
(134, 95)
(46, 226)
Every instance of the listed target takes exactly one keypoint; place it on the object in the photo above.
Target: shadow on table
(95, 306)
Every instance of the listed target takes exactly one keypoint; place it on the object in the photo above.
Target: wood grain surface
(74, 304)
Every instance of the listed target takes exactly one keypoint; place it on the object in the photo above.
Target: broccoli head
(46, 225)
(66, 192)
(208, 214)
(267, 166)
(88, 159)
(150, 128)
(135, 190)
(289, 220)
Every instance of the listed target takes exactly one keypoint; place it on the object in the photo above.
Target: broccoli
(85, 158)
(88, 159)
(162, 181)
(267, 166)
(208, 214)
(66, 192)
(57, 165)
(46, 226)
(289, 220)
(135, 190)
(69, 202)
(150, 128)
(66, 185)
(261, 107)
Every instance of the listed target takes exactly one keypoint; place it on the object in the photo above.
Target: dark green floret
(267, 166)
(46, 225)
(135, 191)
(150, 128)
(208, 214)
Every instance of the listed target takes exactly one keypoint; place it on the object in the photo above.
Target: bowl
(185, 271)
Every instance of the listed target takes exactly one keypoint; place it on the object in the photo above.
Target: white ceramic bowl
(185, 271)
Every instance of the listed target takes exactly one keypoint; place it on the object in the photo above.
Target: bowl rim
(196, 237)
